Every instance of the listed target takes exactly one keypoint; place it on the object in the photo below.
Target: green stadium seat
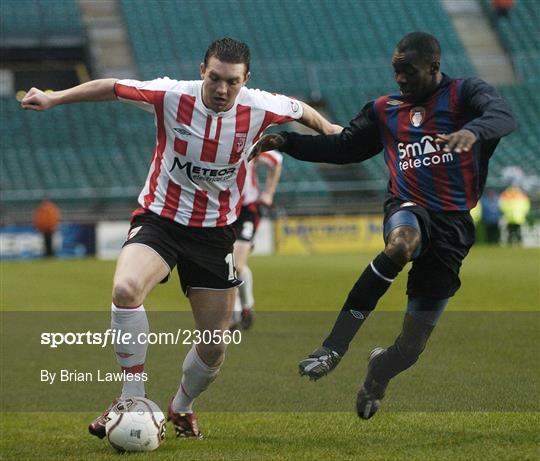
(39, 19)
(341, 49)
(519, 32)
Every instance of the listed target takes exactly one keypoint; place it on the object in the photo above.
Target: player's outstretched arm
(93, 91)
(312, 119)
(355, 143)
(493, 117)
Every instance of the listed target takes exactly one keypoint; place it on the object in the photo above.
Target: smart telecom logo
(197, 173)
(417, 154)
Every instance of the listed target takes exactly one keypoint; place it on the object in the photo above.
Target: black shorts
(204, 255)
(446, 239)
(247, 223)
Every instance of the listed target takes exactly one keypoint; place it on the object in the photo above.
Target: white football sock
(237, 309)
(196, 377)
(131, 357)
(246, 289)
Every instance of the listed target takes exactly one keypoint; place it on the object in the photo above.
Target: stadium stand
(299, 48)
(315, 49)
(520, 34)
(291, 41)
(39, 20)
(522, 147)
(74, 151)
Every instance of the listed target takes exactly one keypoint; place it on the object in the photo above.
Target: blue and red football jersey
(419, 170)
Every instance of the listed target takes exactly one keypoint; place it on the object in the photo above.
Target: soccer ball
(135, 424)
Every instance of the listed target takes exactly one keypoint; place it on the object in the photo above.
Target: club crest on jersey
(417, 116)
(240, 141)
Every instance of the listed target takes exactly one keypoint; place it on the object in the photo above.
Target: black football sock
(362, 299)
(404, 352)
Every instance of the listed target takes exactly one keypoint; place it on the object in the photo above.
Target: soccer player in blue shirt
(437, 134)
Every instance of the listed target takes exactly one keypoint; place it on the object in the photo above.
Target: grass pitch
(473, 395)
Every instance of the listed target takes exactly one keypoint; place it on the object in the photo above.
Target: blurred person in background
(246, 228)
(46, 220)
(491, 216)
(476, 213)
(515, 206)
(502, 7)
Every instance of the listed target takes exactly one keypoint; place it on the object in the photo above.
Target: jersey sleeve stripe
(172, 199)
(224, 207)
(465, 159)
(180, 146)
(267, 121)
(128, 92)
(185, 109)
(436, 178)
(200, 203)
(160, 147)
(411, 180)
(388, 142)
(210, 145)
(243, 118)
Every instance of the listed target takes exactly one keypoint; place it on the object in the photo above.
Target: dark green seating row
(297, 46)
(39, 19)
(520, 33)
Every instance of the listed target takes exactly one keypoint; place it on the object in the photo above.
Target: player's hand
(335, 129)
(266, 199)
(37, 100)
(267, 142)
(458, 141)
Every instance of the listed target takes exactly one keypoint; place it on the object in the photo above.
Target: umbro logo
(357, 314)
(182, 131)
(295, 107)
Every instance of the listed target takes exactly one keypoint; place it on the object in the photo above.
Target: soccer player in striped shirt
(191, 197)
(246, 228)
(438, 134)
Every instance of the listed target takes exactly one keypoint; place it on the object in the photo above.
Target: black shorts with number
(248, 221)
(446, 240)
(204, 255)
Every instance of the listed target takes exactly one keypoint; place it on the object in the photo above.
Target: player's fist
(37, 100)
(267, 142)
(458, 141)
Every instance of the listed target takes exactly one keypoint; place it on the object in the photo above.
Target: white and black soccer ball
(135, 424)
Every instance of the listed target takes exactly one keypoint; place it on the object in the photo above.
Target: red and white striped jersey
(199, 164)
(251, 192)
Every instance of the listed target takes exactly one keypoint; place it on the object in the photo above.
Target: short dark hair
(228, 50)
(426, 45)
